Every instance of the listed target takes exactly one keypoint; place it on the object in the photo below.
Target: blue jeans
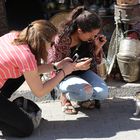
(85, 86)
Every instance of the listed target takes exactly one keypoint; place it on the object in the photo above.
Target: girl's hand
(100, 40)
(83, 64)
(68, 67)
(63, 62)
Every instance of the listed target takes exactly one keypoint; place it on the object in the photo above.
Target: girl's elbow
(40, 92)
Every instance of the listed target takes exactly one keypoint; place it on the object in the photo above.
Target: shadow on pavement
(114, 116)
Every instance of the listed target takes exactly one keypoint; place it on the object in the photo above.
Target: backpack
(30, 108)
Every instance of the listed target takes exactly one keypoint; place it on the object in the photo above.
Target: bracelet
(55, 68)
(58, 70)
(62, 71)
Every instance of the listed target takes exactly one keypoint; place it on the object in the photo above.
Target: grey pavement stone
(122, 89)
(114, 121)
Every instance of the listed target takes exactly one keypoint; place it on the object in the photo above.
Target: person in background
(21, 55)
(80, 35)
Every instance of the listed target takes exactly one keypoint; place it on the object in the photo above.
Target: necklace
(76, 49)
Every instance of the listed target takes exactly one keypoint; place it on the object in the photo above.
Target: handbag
(30, 108)
(102, 68)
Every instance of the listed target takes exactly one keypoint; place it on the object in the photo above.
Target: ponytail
(76, 12)
(69, 25)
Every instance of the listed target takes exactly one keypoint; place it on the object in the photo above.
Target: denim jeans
(74, 87)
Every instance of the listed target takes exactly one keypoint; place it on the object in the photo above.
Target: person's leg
(76, 88)
(88, 86)
(11, 86)
(100, 89)
(66, 105)
(13, 121)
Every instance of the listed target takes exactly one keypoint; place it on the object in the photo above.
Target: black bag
(30, 108)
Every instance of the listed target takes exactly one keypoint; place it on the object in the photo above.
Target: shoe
(67, 108)
(97, 104)
(89, 104)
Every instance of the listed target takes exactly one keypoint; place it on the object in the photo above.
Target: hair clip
(30, 25)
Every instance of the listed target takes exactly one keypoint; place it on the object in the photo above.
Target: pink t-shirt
(14, 60)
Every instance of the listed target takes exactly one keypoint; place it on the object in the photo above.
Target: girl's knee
(27, 130)
(81, 94)
(21, 132)
(87, 89)
(86, 92)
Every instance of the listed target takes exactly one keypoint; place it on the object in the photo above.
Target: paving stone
(114, 121)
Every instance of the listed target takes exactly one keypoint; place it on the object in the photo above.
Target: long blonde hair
(36, 35)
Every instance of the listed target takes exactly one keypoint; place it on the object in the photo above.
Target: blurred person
(21, 55)
(80, 34)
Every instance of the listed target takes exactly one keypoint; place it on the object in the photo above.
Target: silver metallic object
(128, 58)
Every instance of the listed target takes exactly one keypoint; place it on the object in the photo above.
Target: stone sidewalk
(116, 89)
(114, 121)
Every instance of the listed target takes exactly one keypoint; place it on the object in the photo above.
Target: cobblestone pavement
(114, 121)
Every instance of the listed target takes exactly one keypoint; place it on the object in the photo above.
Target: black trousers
(13, 121)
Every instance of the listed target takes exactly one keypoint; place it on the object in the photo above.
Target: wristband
(55, 68)
(58, 70)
